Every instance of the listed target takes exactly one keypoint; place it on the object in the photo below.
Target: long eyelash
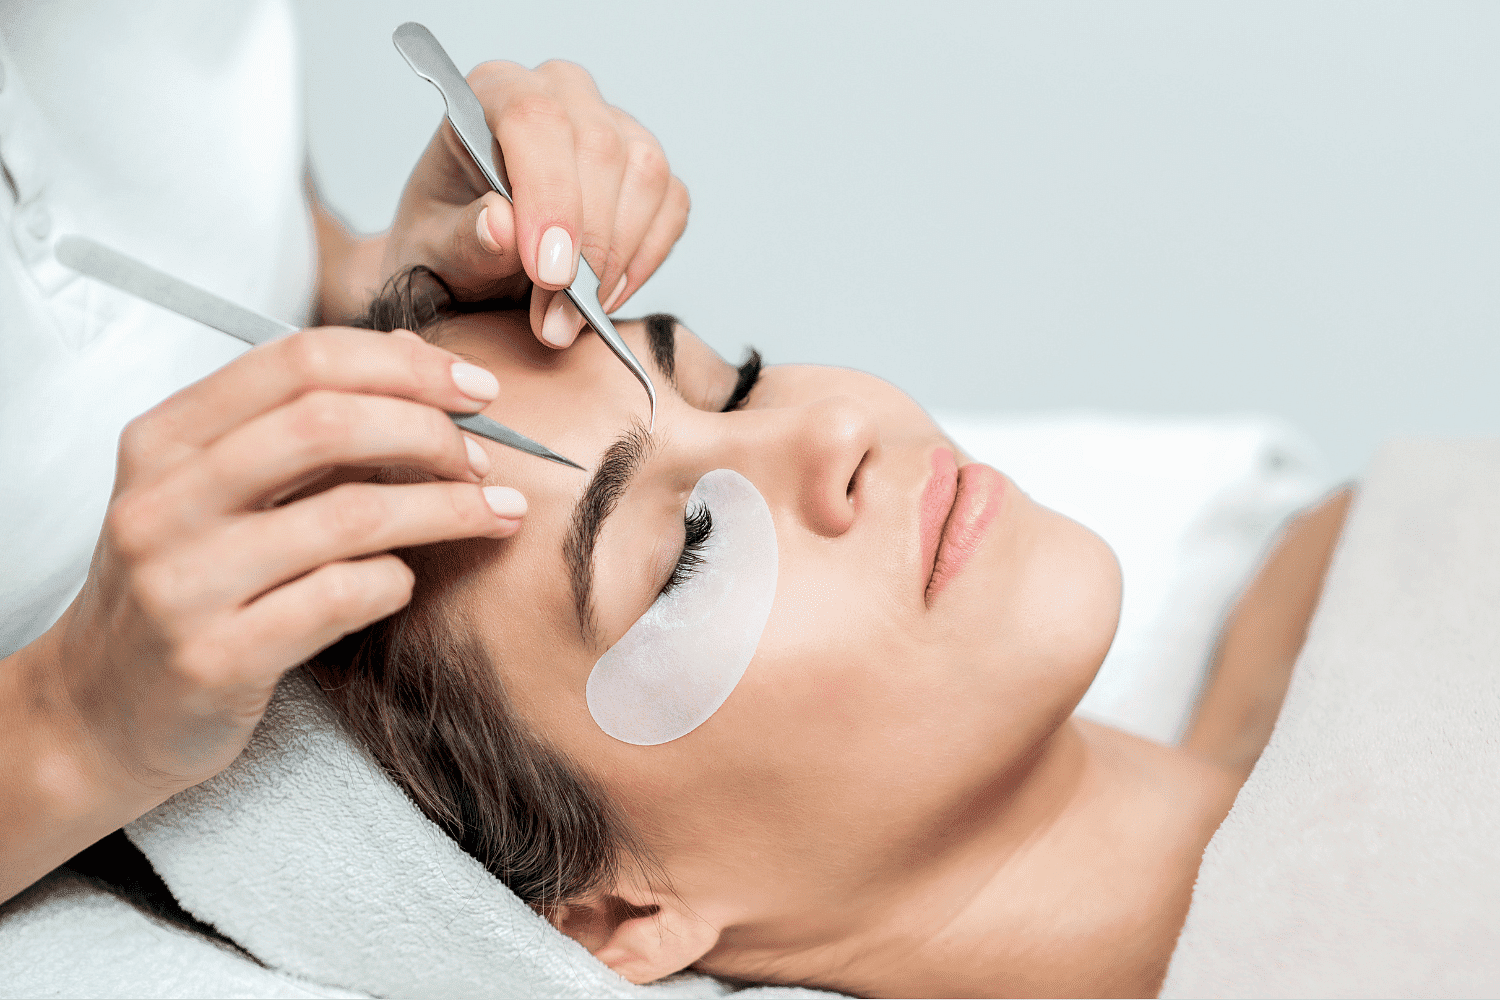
(698, 525)
(698, 522)
(749, 374)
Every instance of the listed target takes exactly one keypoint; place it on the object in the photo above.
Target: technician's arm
(585, 176)
(205, 587)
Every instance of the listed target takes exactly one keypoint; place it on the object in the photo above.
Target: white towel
(1362, 857)
(308, 856)
(65, 938)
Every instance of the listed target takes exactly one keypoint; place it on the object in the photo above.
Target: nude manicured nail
(479, 459)
(505, 502)
(554, 258)
(486, 237)
(562, 321)
(614, 296)
(474, 382)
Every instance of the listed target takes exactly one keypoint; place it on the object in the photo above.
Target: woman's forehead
(575, 401)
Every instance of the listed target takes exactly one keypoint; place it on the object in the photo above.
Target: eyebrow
(619, 465)
(661, 334)
(621, 461)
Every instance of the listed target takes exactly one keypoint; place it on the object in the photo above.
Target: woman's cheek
(827, 666)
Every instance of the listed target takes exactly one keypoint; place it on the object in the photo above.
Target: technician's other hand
(585, 177)
(244, 535)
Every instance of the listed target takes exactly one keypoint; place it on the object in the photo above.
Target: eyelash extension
(698, 522)
(749, 374)
(698, 526)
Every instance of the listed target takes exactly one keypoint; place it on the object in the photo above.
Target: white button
(38, 221)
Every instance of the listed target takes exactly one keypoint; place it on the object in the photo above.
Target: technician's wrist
(77, 758)
(53, 773)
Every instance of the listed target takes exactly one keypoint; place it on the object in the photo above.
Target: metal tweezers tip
(563, 461)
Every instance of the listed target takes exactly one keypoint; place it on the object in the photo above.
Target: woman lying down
(783, 690)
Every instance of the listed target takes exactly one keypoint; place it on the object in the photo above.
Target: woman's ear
(642, 935)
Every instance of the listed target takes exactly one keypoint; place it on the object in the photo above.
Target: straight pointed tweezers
(175, 295)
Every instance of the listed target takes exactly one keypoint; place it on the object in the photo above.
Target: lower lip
(980, 490)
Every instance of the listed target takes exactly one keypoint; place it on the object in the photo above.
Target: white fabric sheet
(1362, 857)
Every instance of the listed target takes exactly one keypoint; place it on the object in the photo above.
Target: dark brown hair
(425, 699)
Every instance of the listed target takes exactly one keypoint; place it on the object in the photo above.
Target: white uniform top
(173, 132)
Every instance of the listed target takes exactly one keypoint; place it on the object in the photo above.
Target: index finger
(339, 358)
(535, 133)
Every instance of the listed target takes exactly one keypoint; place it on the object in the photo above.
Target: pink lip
(936, 502)
(977, 501)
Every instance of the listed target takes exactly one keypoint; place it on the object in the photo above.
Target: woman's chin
(1039, 602)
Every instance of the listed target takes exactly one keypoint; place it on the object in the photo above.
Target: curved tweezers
(431, 62)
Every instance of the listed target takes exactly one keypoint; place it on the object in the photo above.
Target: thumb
(480, 258)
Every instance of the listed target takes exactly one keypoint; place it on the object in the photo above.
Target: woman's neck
(1079, 887)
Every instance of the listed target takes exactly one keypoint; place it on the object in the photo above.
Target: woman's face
(885, 707)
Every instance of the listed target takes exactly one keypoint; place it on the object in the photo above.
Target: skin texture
(896, 799)
(155, 677)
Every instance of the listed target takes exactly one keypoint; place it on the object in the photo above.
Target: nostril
(854, 479)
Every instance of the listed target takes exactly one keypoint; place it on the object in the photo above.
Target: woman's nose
(822, 448)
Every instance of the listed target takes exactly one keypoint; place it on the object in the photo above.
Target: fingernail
(614, 296)
(505, 502)
(486, 237)
(554, 258)
(474, 382)
(561, 323)
(479, 459)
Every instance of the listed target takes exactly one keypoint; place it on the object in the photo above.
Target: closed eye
(697, 528)
(749, 374)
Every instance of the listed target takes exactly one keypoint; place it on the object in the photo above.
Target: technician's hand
(208, 583)
(585, 177)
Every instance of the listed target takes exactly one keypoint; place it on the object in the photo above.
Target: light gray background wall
(1164, 208)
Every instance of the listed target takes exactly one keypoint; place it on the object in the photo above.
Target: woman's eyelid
(706, 381)
(658, 498)
(747, 376)
(686, 514)
(666, 551)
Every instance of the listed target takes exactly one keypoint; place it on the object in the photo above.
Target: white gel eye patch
(682, 658)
